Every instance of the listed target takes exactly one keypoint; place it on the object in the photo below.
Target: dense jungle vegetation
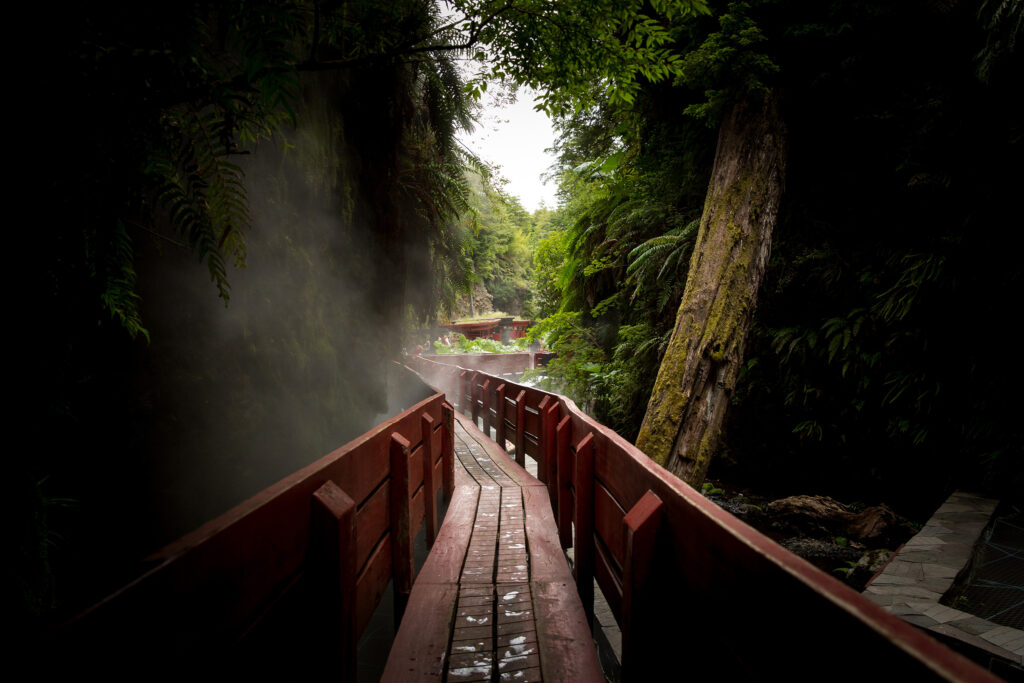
(871, 370)
(242, 206)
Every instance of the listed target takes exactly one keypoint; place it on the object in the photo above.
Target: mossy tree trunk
(691, 394)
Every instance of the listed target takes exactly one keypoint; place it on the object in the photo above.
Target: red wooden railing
(494, 363)
(694, 590)
(336, 532)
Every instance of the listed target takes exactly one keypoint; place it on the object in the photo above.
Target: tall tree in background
(705, 353)
(892, 135)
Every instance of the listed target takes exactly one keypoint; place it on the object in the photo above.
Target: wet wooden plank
(498, 456)
(566, 647)
(444, 563)
(421, 644)
(547, 561)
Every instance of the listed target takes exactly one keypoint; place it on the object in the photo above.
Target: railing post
(549, 446)
(485, 406)
(462, 392)
(448, 449)
(583, 566)
(332, 568)
(475, 403)
(429, 494)
(401, 525)
(521, 428)
(542, 439)
(499, 429)
(640, 531)
(564, 431)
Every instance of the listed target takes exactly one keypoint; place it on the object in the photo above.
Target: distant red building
(503, 330)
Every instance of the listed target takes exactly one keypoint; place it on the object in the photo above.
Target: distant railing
(695, 591)
(335, 532)
(494, 363)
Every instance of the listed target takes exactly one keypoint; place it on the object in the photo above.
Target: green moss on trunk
(684, 416)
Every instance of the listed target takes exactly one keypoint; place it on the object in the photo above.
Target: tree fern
(119, 295)
(660, 263)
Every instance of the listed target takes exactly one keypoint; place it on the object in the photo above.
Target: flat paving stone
(916, 578)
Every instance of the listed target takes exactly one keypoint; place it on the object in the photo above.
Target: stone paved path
(917, 577)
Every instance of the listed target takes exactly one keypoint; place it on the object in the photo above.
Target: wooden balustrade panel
(508, 408)
(532, 422)
(212, 585)
(372, 582)
(609, 579)
(608, 515)
(372, 523)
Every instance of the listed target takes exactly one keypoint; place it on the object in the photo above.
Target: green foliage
(1003, 22)
(191, 94)
(563, 48)
(499, 242)
(729, 63)
(119, 296)
(484, 345)
(875, 354)
(576, 370)
(633, 186)
(662, 259)
(709, 489)
(32, 572)
(866, 365)
(548, 258)
(433, 177)
(168, 99)
(850, 564)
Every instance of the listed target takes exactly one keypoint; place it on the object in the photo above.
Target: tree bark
(684, 417)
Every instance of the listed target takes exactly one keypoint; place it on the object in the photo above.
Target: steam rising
(295, 366)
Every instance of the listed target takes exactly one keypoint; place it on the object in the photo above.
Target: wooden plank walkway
(495, 600)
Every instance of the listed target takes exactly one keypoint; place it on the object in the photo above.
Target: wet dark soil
(832, 553)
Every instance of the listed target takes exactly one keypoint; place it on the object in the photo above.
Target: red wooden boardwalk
(288, 581)
(509, 615)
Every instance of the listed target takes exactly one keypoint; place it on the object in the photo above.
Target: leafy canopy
(562, 48)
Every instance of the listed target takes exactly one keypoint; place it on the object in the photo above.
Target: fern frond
(119, 295)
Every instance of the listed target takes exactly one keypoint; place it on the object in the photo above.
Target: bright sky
(514, 137)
